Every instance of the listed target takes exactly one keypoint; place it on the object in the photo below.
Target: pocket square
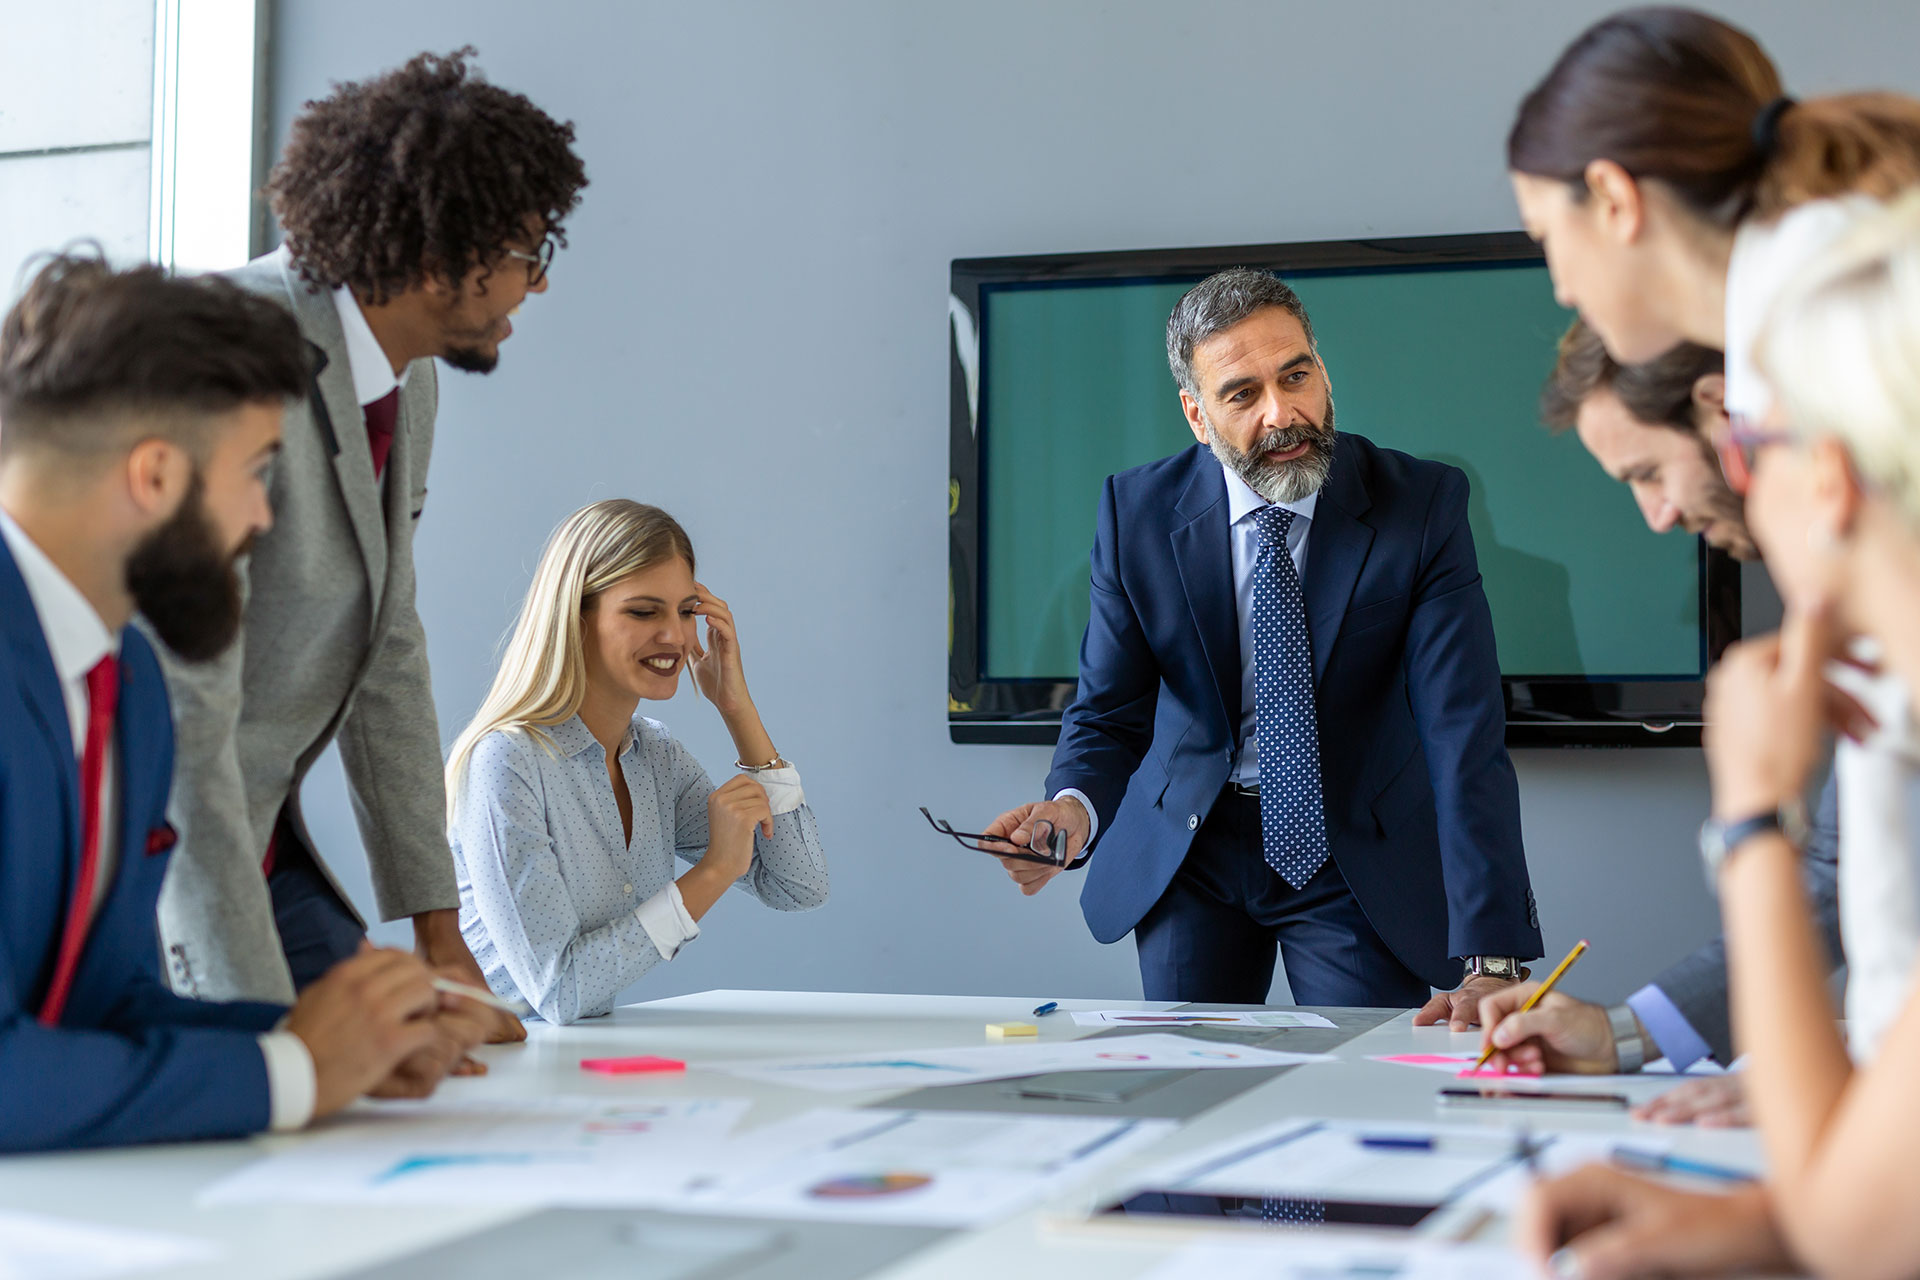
(161, 839)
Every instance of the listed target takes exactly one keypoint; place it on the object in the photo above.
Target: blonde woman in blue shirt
(568, 812)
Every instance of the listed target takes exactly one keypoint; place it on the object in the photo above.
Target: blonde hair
(1841, 349)
(543, 678)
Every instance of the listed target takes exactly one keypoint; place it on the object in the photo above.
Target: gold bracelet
(775, 763)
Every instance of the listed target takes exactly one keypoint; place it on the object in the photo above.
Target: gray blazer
(331, 647)
(1697, 985)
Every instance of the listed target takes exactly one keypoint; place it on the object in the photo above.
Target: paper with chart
(1296, 1257)
(565, 1150)
(1271, 1019)
(36, 1247)
(1460, 1065)
(929, 1168)
(918, 1068)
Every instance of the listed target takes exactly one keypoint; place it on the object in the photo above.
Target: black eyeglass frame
(1049, 850)
(541, 260)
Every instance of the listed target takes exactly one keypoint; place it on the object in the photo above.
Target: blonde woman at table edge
(567, 810)
(1835, 504)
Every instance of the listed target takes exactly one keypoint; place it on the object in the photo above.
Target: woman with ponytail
(567, 810)
(1674, 185)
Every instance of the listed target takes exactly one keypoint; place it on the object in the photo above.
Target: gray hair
(1218, 303)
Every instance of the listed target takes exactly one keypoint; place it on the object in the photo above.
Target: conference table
(158, 1189)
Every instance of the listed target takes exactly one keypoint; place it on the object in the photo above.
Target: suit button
(1193, 822)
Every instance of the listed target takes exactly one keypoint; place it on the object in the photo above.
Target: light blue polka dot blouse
(557, 907)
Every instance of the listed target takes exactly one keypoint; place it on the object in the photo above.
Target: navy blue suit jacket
(130, 1061)
(1423, 812)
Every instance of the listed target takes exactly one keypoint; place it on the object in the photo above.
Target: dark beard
(184, 581)
(1289, 481)
(471, 359)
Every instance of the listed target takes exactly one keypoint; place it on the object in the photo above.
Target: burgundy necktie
(382, 414)
(103, 697)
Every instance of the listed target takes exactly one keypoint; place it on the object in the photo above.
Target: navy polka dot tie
(1293, 824)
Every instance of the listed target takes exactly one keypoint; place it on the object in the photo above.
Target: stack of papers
(915, 1069)
(34, 1247)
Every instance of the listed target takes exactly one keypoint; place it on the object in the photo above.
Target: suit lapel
(1205, 560)
(1337, 545)
(336, 411)
(40, 689)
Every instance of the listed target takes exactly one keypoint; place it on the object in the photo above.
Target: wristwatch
(1506, 968)
(1629, 1038)
(1719, 839)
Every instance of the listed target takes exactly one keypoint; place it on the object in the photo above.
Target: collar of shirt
(572, 737)
(1242, 501)
(366, 360)
(76, 634)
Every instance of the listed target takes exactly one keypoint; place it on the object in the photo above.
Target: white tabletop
(156, 1188)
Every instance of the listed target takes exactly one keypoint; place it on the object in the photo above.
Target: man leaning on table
(138, 416)
(420, 208)
(1650, 426)
(1289, 728)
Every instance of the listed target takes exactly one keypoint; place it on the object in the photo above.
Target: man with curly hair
(419, 209)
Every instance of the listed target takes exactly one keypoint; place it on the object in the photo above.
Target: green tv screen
(1444, 363)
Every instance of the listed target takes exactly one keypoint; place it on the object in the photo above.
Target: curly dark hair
(426, 170)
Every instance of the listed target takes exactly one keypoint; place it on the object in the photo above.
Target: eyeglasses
(1048, 845)
(1738, 445)
(541, 261)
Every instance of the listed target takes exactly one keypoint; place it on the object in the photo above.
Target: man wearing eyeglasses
(420, 208)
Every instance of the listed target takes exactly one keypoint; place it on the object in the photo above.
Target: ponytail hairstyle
(1679, 96)
(543, 676)
(1841, 349)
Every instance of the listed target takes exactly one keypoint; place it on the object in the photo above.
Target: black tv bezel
(1542, 711)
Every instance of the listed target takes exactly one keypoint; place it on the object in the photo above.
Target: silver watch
(1629, 1040)
(1507, 968)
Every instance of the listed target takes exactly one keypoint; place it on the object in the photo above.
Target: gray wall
(750, 330)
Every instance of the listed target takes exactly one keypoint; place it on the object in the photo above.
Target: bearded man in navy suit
(141, 414)
(1289, 732)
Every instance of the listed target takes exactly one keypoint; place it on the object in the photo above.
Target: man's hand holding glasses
(1035, 842)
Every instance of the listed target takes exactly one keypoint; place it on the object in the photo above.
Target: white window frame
(210, 133)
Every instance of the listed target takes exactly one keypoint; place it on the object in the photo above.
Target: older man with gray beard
(1289, 731)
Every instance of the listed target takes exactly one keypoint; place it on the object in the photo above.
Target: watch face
(1497, 966)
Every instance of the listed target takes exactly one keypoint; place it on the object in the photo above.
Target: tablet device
(1532, 1098)
(1269, 1211)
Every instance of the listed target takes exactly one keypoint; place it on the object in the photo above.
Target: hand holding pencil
(1531, 1029)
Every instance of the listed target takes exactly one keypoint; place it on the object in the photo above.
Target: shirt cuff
(1675, 1036)
(291, 1086)
(665, 918)
(1093, 817)
(784, 794)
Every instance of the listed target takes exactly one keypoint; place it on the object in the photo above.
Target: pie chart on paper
(869, 1186)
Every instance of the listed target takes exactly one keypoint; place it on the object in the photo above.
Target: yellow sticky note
(1009, 1030)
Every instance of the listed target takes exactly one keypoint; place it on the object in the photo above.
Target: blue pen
(1652, 1162)
(1046, 1009)
(1395, 1142)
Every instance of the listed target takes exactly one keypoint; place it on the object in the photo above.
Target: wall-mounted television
(1436, 345)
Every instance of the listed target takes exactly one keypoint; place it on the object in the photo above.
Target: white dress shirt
(1879, 791)
(373, 375)
(78, 638)
(561, 908)
(1243, 538)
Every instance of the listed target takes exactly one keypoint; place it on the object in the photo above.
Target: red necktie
(382, 414)
(103, 697)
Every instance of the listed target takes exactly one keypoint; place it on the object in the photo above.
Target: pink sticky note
(1423, 1059)
(631, 1066)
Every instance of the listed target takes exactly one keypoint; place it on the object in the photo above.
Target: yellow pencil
(1579, 949)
